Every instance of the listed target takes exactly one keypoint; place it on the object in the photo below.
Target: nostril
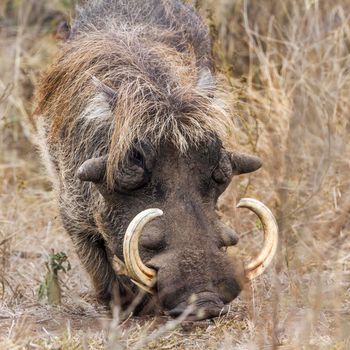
(175, 312)
(153, 264)
(178, 310)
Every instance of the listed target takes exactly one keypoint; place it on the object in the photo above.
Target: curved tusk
(141, 275)
(258, 265)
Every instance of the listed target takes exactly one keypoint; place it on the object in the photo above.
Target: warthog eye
(131, 178)
(136, 171)
(222, 174)
(234, 163)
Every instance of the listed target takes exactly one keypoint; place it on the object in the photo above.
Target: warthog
(129, 120)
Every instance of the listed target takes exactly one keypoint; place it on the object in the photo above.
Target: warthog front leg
(108, 286)
(92, 251)
(93, 256)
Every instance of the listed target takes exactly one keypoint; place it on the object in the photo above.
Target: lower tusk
(258, 265)
(141, 275)
(120, 269)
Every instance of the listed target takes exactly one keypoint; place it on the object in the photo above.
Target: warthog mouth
(206, 306)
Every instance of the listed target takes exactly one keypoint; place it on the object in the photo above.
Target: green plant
(51, 288)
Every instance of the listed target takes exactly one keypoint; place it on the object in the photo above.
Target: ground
(286, 64)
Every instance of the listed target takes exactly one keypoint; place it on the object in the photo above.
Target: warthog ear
(93, 169)
(244, 163)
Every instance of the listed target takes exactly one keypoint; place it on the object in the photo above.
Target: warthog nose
(199, 311)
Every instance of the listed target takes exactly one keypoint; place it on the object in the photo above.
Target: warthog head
(182, 252)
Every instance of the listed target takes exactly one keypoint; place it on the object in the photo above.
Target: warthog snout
(184, 268)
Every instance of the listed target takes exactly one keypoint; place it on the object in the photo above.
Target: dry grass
(288, 67)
